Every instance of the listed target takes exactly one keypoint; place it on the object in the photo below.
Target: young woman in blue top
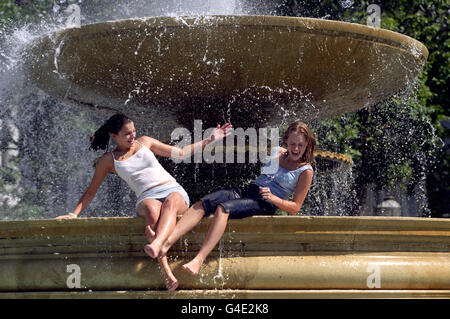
(288, 172)
(159, 197)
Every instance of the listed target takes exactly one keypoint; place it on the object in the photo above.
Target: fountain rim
(411, 250)
(133, 225)
(310, 25)
(41, 56)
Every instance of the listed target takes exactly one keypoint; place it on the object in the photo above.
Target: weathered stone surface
(297, 254)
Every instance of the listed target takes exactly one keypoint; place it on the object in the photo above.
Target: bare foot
(152, 249)
(171, 285)
(149, 233)
(171, 281)
(193, 267)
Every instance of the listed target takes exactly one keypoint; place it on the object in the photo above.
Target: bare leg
(169, 278)
(188, 221)
(149, 233)
(213, 236)
(173, 204)
(150, 210)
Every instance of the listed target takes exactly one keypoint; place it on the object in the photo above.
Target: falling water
(46, 165)
(43, 139)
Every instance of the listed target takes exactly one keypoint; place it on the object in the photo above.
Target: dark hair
(100, 139)
(300, 127)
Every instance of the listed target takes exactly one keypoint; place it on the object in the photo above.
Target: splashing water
(46, 138)
(44, 177)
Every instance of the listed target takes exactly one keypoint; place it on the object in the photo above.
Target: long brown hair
(300, 127)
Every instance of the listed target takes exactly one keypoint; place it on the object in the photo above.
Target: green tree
(413, 152)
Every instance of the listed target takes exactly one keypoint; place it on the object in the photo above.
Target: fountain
(174, 70)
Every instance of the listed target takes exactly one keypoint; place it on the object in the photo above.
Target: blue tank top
(282, 182)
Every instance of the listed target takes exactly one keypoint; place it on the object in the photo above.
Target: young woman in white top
(159, 197)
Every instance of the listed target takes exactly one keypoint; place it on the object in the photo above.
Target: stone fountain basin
(259, 257)
(157, 65)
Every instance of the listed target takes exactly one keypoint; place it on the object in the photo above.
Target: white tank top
(142, 170)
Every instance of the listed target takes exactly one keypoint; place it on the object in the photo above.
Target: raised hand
(266, 193)
(220, 132)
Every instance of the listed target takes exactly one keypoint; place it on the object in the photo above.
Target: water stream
(45, 161)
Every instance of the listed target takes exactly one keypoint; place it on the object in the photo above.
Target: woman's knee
(174, 202)
(150, 210)
(220, 210)
(198, 207)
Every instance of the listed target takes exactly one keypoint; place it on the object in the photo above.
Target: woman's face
(296, 146)
(126, 136)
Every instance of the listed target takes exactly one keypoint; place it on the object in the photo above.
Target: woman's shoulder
(105, 161)
(146, 140)
(143, 138)
(306, 167)
(106, 157)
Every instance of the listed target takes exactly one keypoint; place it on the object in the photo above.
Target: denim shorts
(161, 192)
(238, 202)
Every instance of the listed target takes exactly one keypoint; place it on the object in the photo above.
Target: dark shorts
(238, 202)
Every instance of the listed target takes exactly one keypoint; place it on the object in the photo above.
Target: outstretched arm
(301, 190)
(166, 150)
(102, 168)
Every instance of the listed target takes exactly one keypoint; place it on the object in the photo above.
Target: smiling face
(300, 142)
(125, 138)
(296, 146)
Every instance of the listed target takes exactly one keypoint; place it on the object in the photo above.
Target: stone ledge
(273, 253)
(232, 294)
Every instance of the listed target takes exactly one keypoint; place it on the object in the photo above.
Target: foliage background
(400, 141)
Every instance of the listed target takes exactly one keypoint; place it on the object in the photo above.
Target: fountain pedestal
(258, 257)
(251, 70)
